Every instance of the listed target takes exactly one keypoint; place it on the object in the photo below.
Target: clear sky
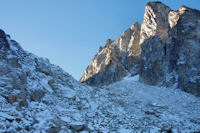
(69, 32)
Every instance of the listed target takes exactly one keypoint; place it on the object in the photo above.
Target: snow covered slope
(131, 106)
(35, 95)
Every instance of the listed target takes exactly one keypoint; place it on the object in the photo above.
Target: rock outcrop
(115, 59)
(3, 40)
(155, 21)
(171, 54)
(164, 50)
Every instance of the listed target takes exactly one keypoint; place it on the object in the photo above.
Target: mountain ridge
(156, 53)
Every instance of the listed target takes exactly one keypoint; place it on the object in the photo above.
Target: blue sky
(69, 32)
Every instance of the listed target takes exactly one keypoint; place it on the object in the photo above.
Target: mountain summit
(163, 50)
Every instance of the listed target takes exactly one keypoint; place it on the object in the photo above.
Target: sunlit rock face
(115, 59)
(155, 21)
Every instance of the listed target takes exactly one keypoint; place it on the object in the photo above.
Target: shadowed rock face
(164, 50)
(115, 59)
(3, 40)
(188, 43)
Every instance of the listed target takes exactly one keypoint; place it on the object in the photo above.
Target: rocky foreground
(37, 96)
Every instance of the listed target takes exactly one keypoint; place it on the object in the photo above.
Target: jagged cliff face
(164, 50)
(155, 21)
(172, 55)
(188, 46)
(154, 34)
(115, 59)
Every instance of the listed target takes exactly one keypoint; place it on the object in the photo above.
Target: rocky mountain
(164, 50)
(115, 59)
(39, 97)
